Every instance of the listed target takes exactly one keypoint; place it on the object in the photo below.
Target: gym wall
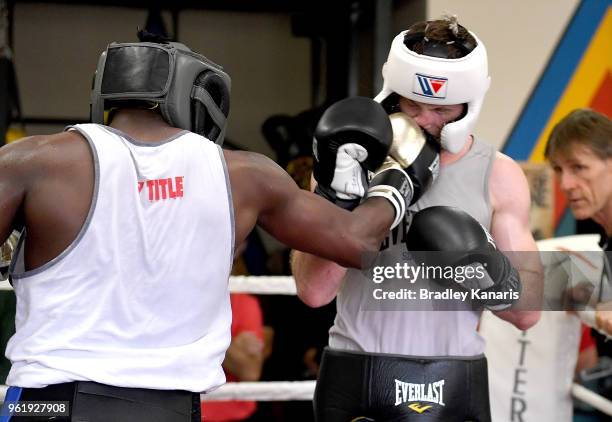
(56, 47)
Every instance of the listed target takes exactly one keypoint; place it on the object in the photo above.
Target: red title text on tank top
(160, 189)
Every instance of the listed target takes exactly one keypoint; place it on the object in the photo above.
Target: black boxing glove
(416, 152)
(466, 242)
(353, 136)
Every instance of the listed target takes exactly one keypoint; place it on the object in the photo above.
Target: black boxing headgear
(192, 92)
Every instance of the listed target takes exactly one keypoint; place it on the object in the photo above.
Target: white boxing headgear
(438, 80)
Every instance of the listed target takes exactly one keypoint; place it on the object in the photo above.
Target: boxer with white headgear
(438, 72)
(393, 356)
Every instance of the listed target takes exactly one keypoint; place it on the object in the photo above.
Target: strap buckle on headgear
(192, 91)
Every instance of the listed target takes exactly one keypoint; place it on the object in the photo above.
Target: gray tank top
(462, 184)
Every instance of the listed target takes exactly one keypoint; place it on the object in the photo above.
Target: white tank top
(140, 298)
(462, 184)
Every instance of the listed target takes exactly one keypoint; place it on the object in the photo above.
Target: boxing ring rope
(592, 399)
(272, 285)
(260, 285)
(251, 391)
(304, 390)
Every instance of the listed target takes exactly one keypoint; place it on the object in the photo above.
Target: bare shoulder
(38, 155)
(40, 149)
(259, 187)
(508, 185)
(252, 167)
(504, 166)
(248, 159)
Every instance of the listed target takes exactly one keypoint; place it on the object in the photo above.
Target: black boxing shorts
(92, 402)
(361, 387)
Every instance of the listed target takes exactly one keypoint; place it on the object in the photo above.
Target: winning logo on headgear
(430, 86)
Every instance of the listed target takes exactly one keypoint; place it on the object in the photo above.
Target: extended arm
(307, 222)
(317, 280)
(264, 193)
(510, 229)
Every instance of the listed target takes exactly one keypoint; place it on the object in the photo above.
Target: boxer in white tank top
(121, 273)
(399, 365)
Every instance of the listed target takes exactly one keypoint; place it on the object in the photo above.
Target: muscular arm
(317, 280)
(265, 193)
(510, 229)
(13, 180)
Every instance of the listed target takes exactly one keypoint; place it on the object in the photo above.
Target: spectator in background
(587, 354)
(245, 355)
(243, 359)
(580, 152)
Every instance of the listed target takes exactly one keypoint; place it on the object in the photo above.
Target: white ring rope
(261, 285)
(592, 399)
(263, 391)
(251, 391)
(588, 318)
(271, 285)
(304, 390)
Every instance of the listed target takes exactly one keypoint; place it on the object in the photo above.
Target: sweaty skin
(48, 181)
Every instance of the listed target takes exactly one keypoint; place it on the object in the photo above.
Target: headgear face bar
(192, 92)
(434, 79)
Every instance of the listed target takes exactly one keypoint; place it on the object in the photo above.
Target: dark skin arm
(48, 179)
(13, 182)
(265, 194)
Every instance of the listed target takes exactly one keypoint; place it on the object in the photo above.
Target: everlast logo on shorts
(432, 392)
(160, 189)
